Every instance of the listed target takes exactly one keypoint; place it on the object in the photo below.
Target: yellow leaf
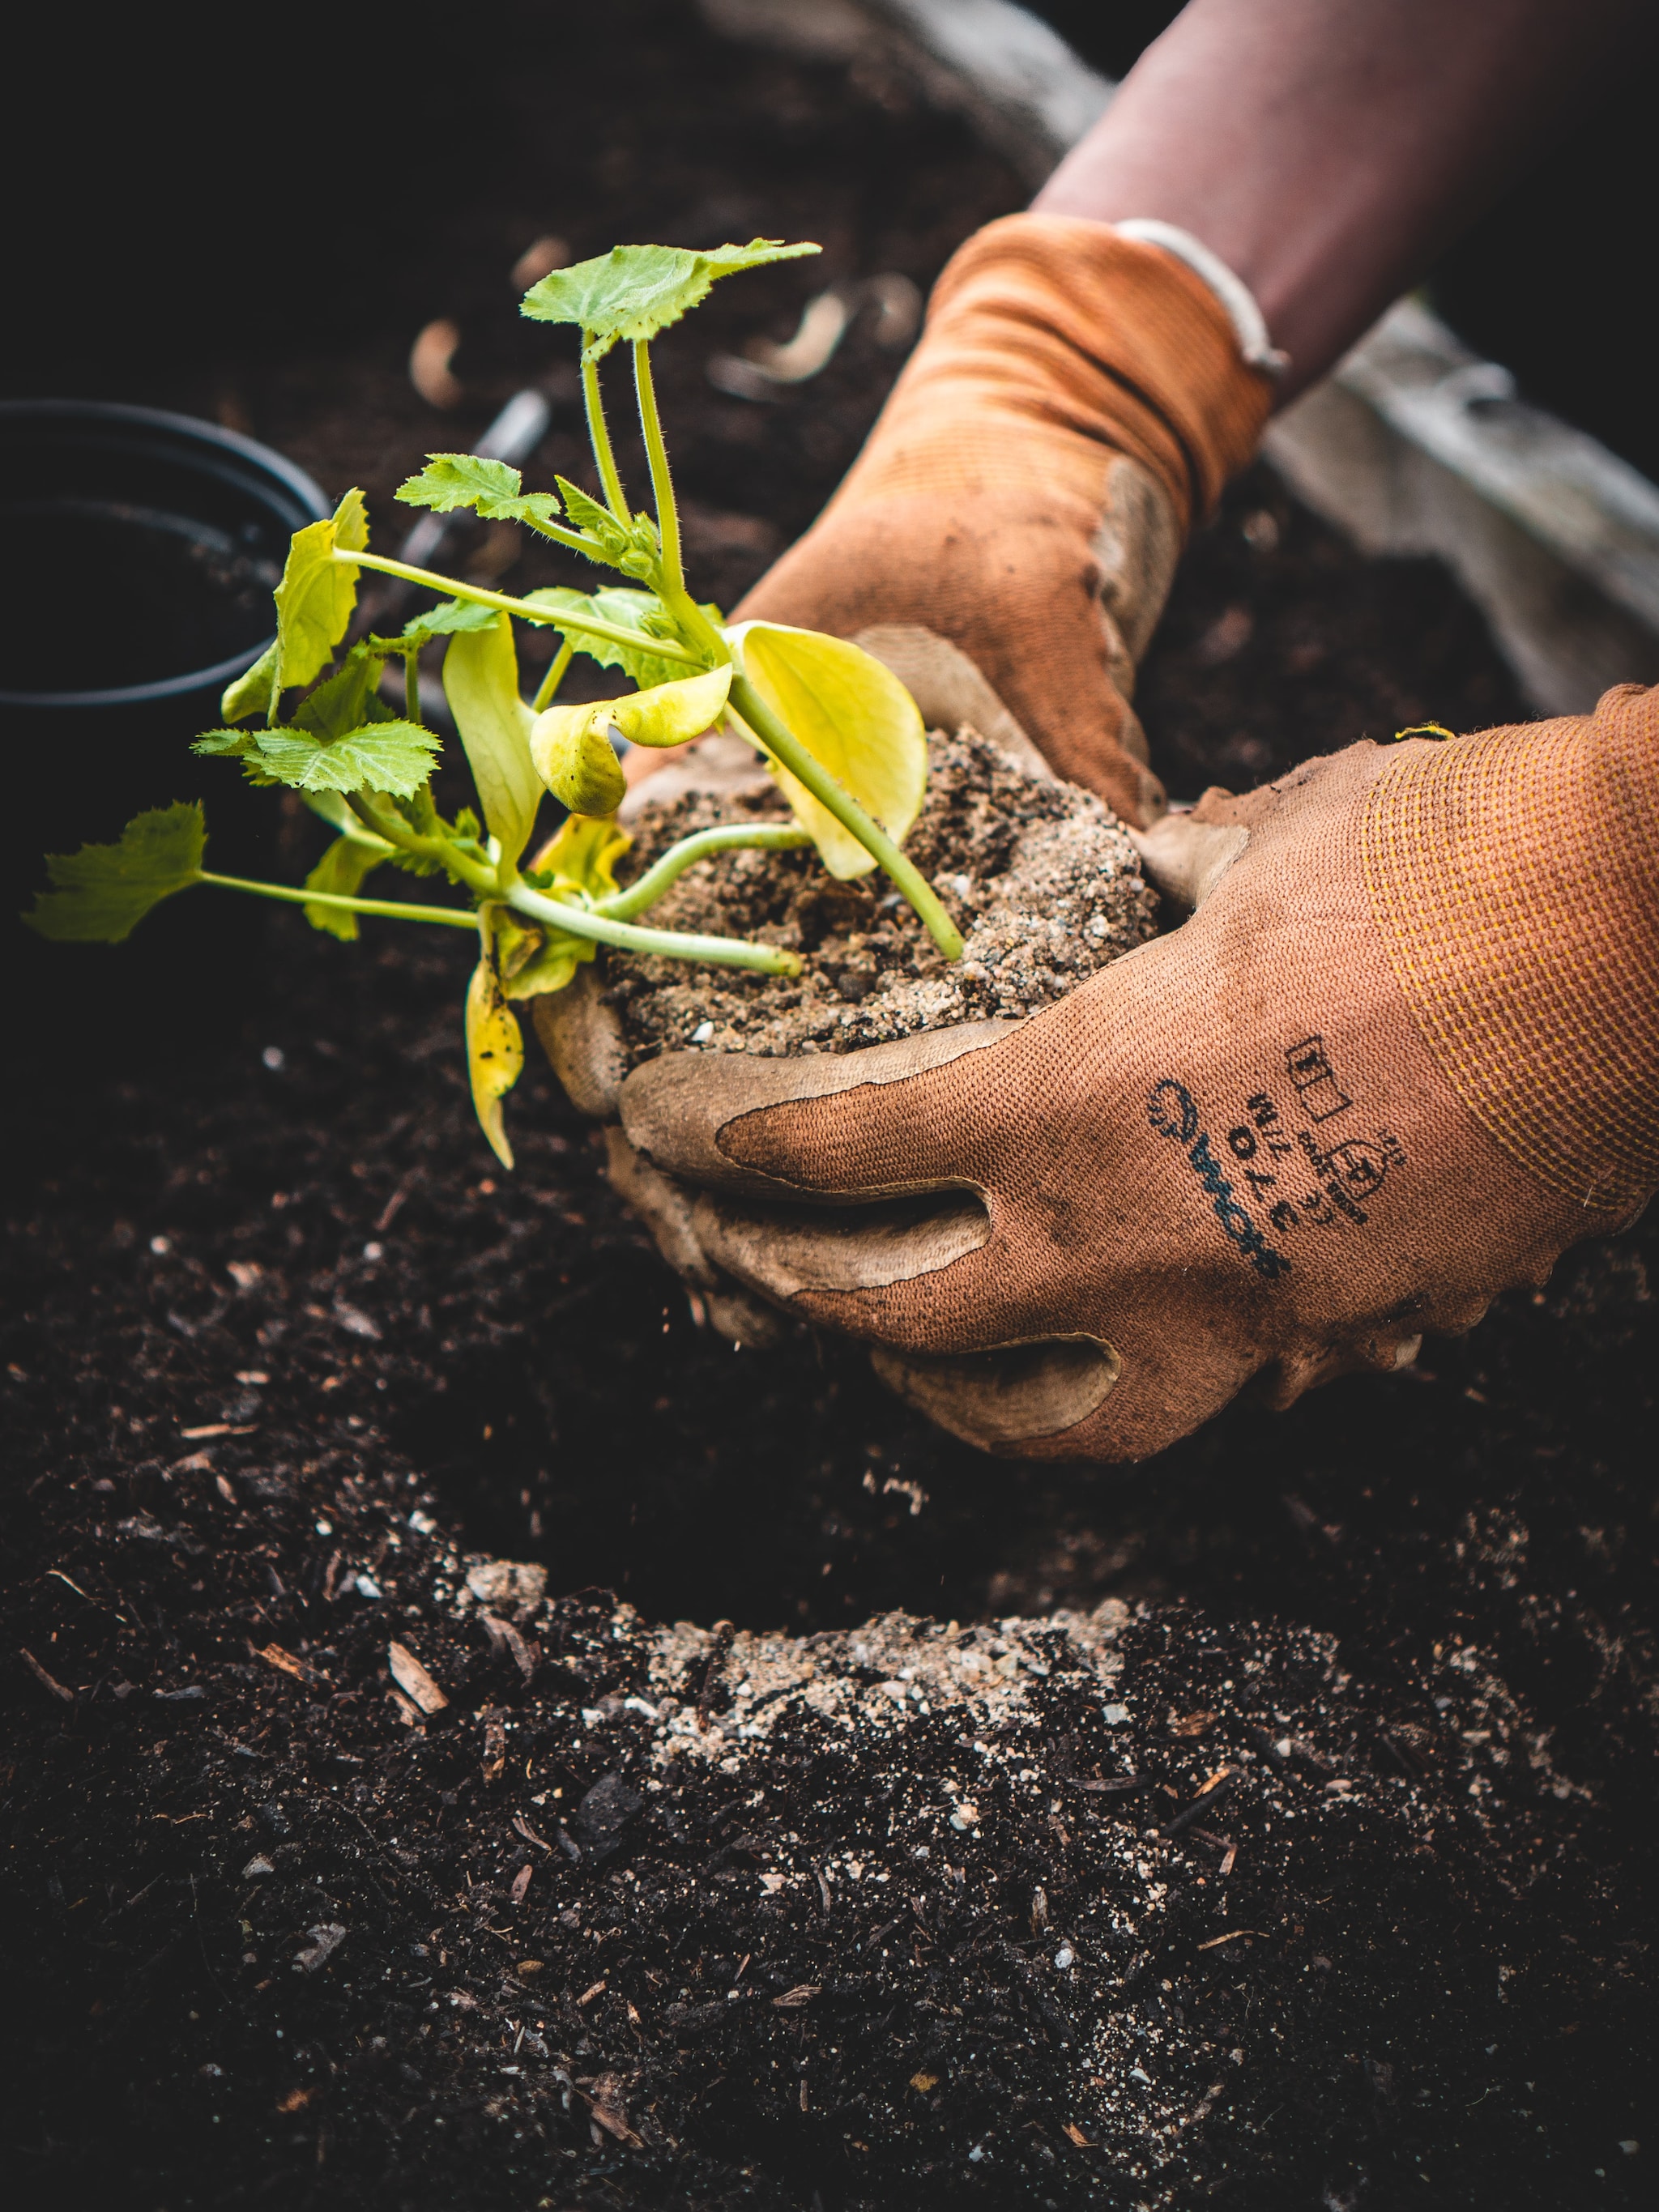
(481, 682)
(574, 758)
(316, 596)
(854, 716)
(531, 961)
(494, 1054)
(571, 745)
(669, 713)
(583, 856)
(553, 967)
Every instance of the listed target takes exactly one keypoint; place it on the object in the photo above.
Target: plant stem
(599, 436)
(664, 648)
(662, 482)
(476, 875)
(787, 750)
(412, 686)
(452, 917)
(580, 921)
(636, 897)
(555, 676)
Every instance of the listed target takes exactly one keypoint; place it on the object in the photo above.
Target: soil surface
(1039, 877)
(1271, 1825)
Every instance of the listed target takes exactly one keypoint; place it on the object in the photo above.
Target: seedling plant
(838, 730)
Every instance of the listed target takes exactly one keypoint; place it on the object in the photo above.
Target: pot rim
(191, 430)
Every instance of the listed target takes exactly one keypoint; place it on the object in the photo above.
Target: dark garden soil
(1293, 1848)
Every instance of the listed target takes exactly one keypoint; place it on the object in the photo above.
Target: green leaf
(316, 596)
(628, 610)
(342, 870)
(448, 620)
(855, 716)
(632, 546)
(586, 512)
(493, 490)
(100, 893)
(481, 682)
(251, 693)
(635, 291)
(494, 1054)
(392, 757)
(346, 700)
(243, 745)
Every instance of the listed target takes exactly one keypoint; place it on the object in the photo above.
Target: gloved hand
(1405, 1051)
(1005, 540)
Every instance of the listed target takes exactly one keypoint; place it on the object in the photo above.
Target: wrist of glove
(1405, 1051)
(1006, 538)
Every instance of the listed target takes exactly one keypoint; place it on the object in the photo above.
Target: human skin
(1328, 150)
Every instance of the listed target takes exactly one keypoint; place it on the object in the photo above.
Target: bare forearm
(1326, 149)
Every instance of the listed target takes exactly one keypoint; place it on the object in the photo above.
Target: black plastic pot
(171, 534)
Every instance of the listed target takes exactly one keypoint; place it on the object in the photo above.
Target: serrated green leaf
(491, 489)
(317, 594)
(346, 700)
(99, 894)
(854, 716)
(392, 757)
(494, 1054)
(628, 610)
(453, 480)
(342, 870)
(635, 291)
(251, 693)
(481, 682)
(449, 620)
(239, 745)
(586, 512)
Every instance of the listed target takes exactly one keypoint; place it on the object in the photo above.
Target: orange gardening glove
(1076, 403)
(1404, 1053)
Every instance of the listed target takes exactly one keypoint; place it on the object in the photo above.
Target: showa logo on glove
(1273, 1158)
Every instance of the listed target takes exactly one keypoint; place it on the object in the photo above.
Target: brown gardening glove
(1005, 540)
(1406, 1052)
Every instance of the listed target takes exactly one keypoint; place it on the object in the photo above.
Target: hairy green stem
(477, 875)
(664, 648)
(599, 436)
(412, 686)
(787, 750)
(555, 676)
(580, 921)
(662, 482)
(623, 905)
(452, 917)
